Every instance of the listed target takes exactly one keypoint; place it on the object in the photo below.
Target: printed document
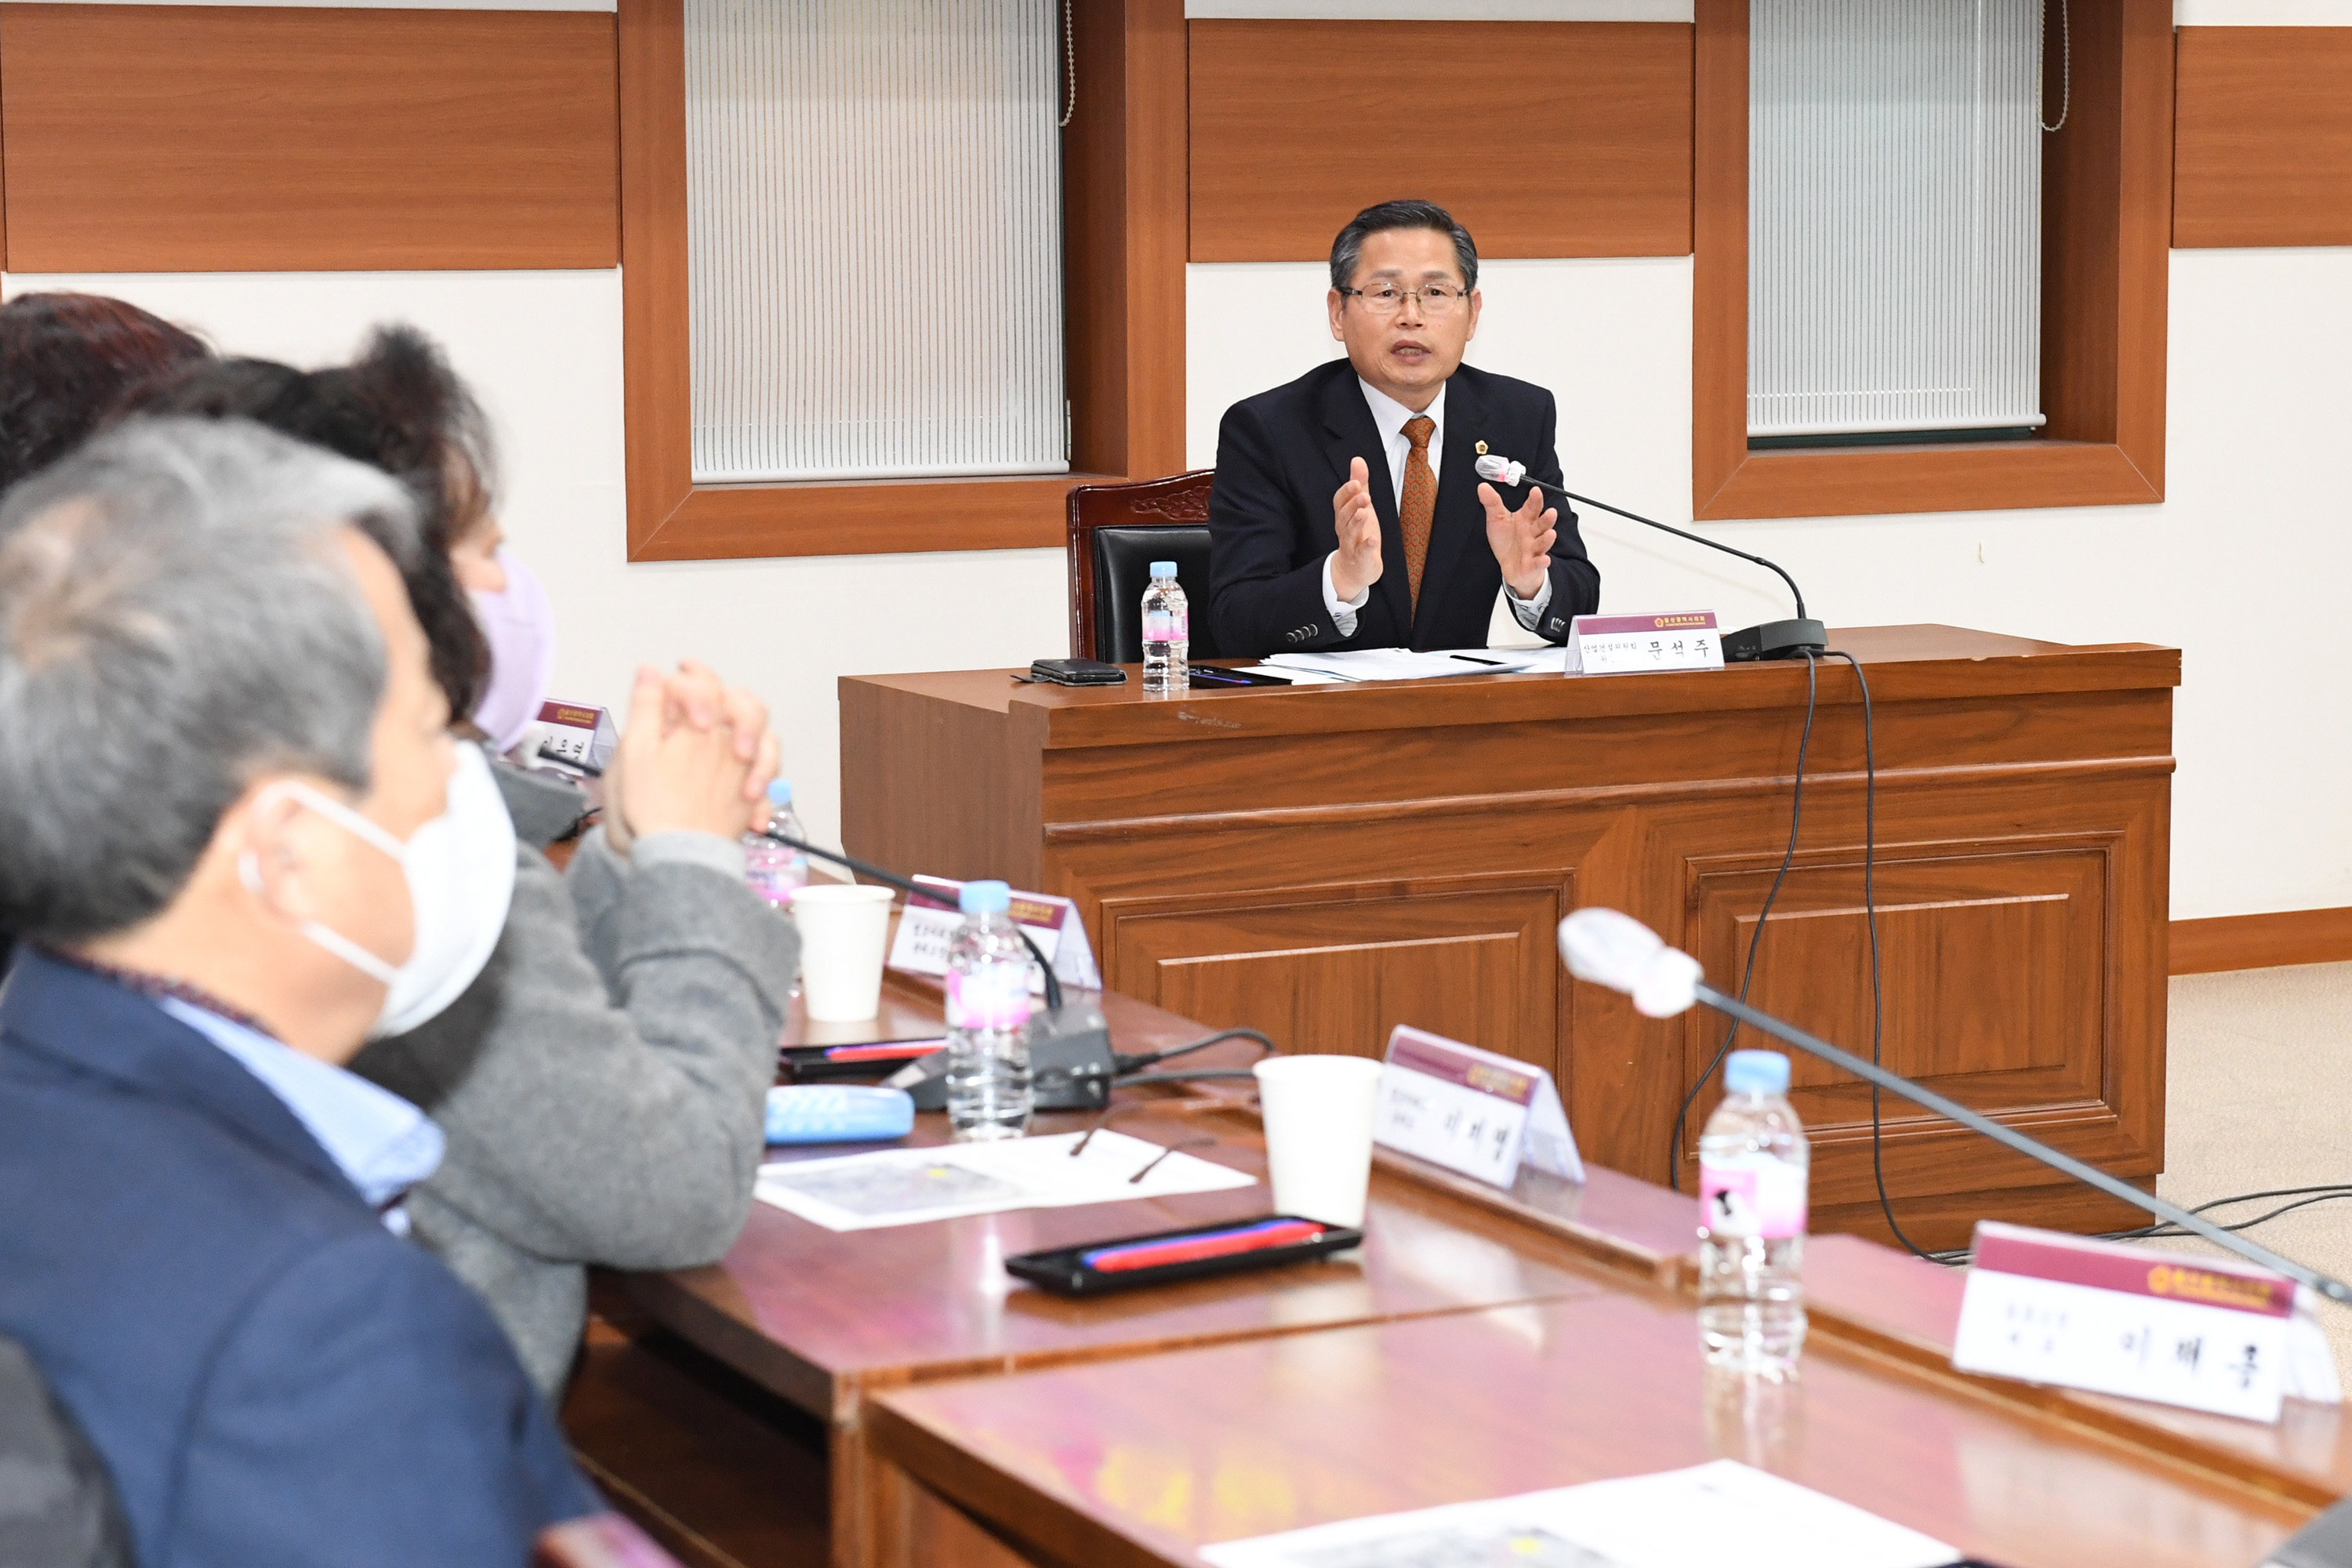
(1719, 1512)
(910, 1186)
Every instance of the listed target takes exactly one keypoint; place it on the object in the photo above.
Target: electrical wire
(1870, 913)
(2327, 1192)
(1130, 1064)
(1755, 938)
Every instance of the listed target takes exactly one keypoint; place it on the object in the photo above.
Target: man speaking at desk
(1346, 511)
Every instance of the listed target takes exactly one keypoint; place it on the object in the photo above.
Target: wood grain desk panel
(1326, 862)
(1144, 1462)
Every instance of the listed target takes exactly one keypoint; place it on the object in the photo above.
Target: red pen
(1204, 1244)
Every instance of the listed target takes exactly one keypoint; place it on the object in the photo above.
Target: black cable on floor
(1870, 912)
(2327, 1192)
(1756, 939)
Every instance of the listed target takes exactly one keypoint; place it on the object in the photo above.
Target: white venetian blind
(1894, 216)
(874, 239)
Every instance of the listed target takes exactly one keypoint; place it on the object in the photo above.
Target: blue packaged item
(838, 1113)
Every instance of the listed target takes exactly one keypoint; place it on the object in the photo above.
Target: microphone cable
(2304, 1197)
(1869, 915)
(1755, 938)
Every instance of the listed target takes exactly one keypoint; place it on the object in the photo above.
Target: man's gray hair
(1347, 248)
(176, 618)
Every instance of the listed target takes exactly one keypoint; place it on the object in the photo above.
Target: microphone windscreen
(1614, 949)
(1500, 470)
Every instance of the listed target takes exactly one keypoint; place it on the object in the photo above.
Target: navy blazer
(271, 1376)
(1283, 454)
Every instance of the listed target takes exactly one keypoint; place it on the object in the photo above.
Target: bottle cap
(985, 899)
(1164, 569)
(1756, 1072)
(780, 792)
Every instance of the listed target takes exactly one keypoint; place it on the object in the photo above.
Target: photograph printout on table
(910, 1186)
(1719, 1512)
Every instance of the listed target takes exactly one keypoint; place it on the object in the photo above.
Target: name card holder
(571, 734)
(2192, 1332)
(929, 925)
(1470, 1111)
(1621, 645)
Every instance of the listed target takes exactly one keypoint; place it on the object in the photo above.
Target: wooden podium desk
(1326, 862)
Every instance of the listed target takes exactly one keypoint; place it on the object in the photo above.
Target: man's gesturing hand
(1355, 565)
(1521, 539)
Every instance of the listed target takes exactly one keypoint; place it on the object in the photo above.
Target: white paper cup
(844, 933)
(1318, 1133)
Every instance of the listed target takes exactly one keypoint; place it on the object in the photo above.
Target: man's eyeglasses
(1387, 299)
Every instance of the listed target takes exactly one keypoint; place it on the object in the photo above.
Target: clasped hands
(1521, 539)
(697, 756)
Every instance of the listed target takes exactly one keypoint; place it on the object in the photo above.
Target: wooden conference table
(1326, 862)
(1481, 1344)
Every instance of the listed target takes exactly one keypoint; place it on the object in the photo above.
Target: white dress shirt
(1389, 415)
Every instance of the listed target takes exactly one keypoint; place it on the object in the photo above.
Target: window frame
(1124, 238)
(2106, 235)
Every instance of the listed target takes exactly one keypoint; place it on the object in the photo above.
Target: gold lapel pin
(1482, 448)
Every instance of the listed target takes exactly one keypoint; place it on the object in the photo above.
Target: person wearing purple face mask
(518, 623)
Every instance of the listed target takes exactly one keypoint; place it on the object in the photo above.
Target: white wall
(542, 351)
(2251, 534)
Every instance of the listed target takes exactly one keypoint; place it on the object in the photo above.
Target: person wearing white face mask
(234, 845)
(601, 1082)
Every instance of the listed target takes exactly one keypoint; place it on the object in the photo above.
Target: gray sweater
(603, 1083)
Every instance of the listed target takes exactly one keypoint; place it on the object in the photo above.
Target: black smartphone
(1268, 1241)
(1076, 672)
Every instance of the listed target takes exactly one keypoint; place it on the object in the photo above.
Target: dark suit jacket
(272, 1377)
(1280, 456)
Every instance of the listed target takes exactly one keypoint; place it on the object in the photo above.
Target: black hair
(65, 361)
(1347, 249)
(398, 407)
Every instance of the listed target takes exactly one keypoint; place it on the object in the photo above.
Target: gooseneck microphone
(1615, 950)
(1772, 639)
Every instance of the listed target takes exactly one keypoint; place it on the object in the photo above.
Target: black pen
(1472, 659)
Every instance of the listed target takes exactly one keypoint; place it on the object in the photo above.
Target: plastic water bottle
(1167, 633)
(988, 1018)
(1754, 1165)
(776, 872)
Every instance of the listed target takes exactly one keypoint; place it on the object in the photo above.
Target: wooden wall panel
(2263, 137)
(1544, 138)
(224, 137)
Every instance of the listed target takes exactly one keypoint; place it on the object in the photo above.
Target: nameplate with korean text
(1470, 1111)
(2193, 1332)
(1622, 645)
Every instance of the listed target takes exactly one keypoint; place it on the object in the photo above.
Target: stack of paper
(1404, 664)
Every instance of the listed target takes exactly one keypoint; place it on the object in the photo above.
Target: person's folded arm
(612, 1111)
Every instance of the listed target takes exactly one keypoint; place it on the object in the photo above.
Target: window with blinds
(1895, 217)
(874, 239)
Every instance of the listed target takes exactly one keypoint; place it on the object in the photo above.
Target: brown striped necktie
(1418, 508)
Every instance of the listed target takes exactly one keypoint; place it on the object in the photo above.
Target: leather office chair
(1116, 531)
(57, 1503)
